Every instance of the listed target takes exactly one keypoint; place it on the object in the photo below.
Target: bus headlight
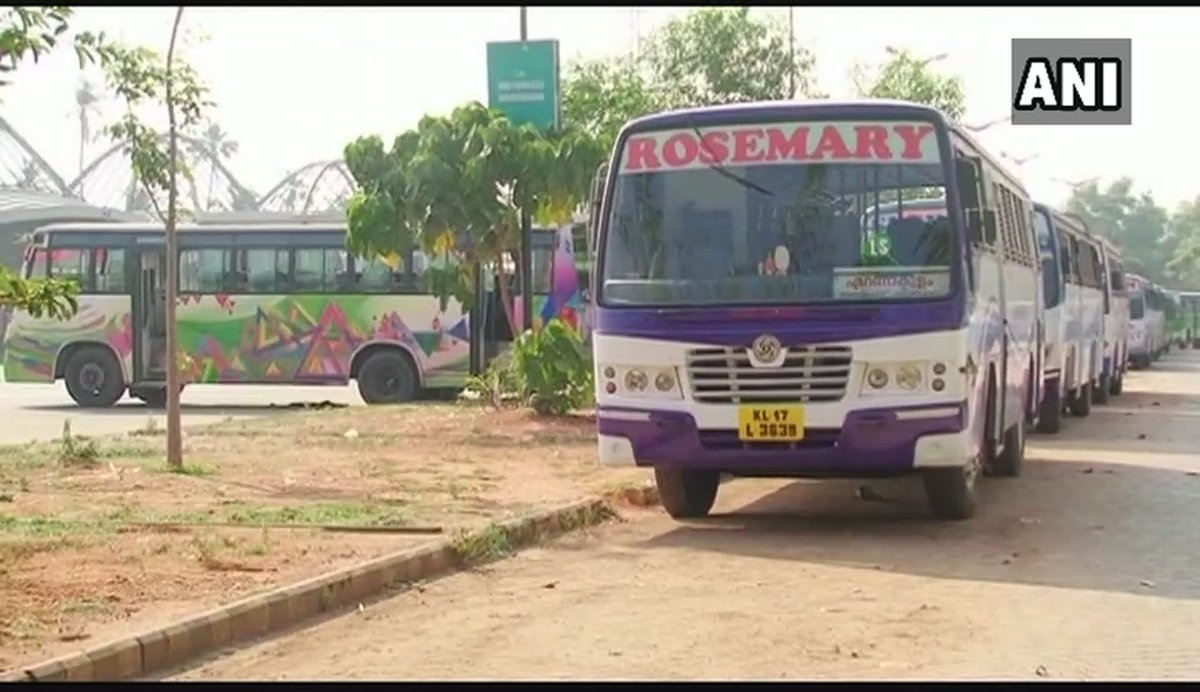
(640, 381)
(908, 376)
(882, 379)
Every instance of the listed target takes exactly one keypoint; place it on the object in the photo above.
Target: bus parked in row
(1147, 321)
(1074, 352)
(1186, 327)
(752, 318)
(1116, 324)
(257, 304)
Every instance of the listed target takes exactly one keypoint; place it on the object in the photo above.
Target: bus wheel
(387, 377)
(1050, 417)
(94, 377)
(1117, 385)
(1081, 401)
(1008, 462)
(951, 491)
(687, 494)
(1100, 391)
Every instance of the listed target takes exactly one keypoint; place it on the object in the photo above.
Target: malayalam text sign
(523, 81)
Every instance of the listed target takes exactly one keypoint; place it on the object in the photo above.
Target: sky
(295, 85)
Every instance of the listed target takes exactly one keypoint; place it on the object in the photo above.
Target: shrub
(553, 368)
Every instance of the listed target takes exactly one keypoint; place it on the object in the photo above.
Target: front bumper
(871, 442)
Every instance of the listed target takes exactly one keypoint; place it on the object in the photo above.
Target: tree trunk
(505, 298)
(174, 427)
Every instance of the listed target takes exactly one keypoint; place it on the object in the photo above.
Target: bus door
(150, 316)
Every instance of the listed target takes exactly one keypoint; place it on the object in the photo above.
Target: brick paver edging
(287, 606)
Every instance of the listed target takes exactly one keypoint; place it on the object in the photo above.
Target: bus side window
(316, 270)
(202, 271)
(266, 270)
(71, 265)
(110, 270)
(36, 267)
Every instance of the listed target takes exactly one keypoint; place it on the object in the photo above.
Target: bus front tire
(951, 491)
(1008, 462)
(1117, 385)
(94, 378)
(1101, 390)
(1081, 401)
(1050, 417)
(687, 494)
(387, 377)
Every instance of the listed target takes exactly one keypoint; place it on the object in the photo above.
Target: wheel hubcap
(91, 377)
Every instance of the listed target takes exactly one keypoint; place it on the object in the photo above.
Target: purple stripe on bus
(735, 326)
(873, 441)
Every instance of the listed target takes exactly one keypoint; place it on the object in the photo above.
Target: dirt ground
(1085, 567)
(98, 539)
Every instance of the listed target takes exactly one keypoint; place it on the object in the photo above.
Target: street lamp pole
(526, 267)
(791, 52)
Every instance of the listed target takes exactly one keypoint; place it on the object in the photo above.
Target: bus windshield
(1050, 270)
(1137, 306)
(783, 213)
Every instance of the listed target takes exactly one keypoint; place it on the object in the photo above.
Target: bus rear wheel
(951, 491)
(94, 378)
(1081, 401)
(1050, 417)
(687, 494)
(1117, 385)
(1008, 462)
(387, 377)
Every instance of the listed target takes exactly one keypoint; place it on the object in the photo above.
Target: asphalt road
(37, 411)
(1085, 567)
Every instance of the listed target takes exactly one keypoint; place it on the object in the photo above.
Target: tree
(85, 104)
(1183, 234)
(214, 144)
(454, 187)
(1134, 221)
(141, 77)
(28, 33)
(909, 78)
(723, 55)
(708, 56)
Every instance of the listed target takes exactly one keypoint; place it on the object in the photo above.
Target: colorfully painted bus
(1147, 321)
(1116, 323)
(258, 304)
(751, 319)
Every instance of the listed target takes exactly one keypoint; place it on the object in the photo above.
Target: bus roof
(729, 113)
(281, 227)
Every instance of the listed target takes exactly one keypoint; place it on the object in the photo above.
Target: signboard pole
(526, 228)
(523, 83)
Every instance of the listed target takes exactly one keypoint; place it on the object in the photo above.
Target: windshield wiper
(721, 169)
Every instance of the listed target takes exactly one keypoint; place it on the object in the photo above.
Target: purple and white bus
(753, 319)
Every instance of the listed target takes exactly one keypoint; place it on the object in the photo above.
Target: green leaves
(39, 297)
(909, 78)
(553, 368)
(454, 187)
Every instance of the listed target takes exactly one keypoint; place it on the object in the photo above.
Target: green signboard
(523, 81)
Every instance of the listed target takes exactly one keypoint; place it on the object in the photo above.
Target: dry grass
(77, 561)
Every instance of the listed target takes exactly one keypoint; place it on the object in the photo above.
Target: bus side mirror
(594, 207)
(968, 183)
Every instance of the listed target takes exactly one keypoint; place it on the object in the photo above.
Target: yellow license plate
(771, 423)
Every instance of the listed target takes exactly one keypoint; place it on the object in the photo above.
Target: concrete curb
(287, 606)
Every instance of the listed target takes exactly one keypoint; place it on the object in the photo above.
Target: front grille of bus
(808, 374)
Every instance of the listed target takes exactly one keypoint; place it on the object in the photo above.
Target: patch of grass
(190, 468)
(76, 450)
(149, 429)
(42, 527)
(22, 627)
(481, 545)
(86, 606)
(317, 513)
